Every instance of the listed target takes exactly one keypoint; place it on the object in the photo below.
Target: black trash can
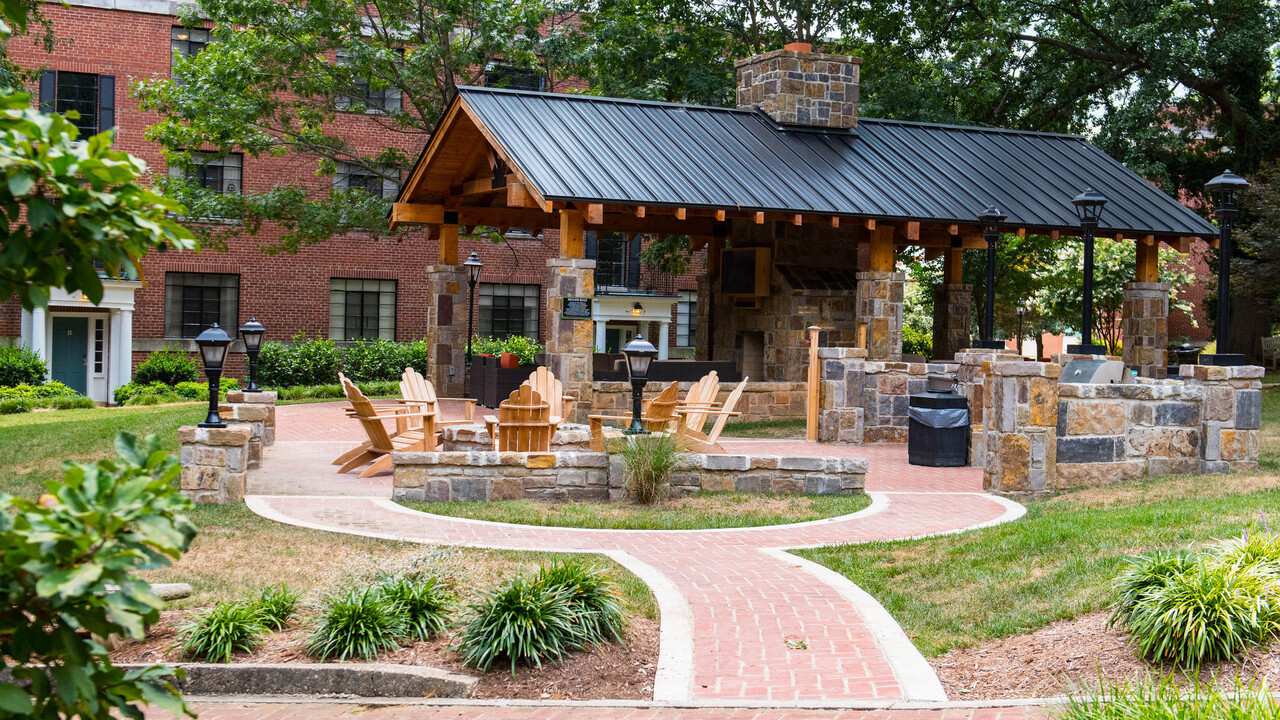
(938, 429)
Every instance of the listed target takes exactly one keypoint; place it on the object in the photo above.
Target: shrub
(1261, 548)
(524, 620)
(217, 633)
(524, 348)
(135, 393)
(371, 389)
(1143, 573)
(594, 598)
(276, 605)
(304, 361)
(169, 366)
(358, 623)
(20, 366)
(73, 402)
(916, 341)
(648, 460)
(1166, 701)
(37, 393)
(383, 360)
(15, 407)
(425, 603)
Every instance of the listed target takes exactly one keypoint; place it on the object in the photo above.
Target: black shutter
(48, 90)
(106, 102)
(591, 247)
(633, 263)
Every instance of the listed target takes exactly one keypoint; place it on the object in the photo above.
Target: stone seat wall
(474, 437)
(864, 400)
(760, 401)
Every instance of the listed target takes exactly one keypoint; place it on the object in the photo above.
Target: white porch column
(664, 341)
(39, 333)
(600, 341)
(24, 329)
(126, 344)
(115, 353)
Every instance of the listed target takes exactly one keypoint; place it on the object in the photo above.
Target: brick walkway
(733, 605)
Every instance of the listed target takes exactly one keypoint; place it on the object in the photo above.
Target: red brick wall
(1179, 323)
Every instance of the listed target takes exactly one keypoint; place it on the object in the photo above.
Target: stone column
(1144, 327)
(951, 308)
(1021, 399)
(879, 310)
(1232, 415)
(840, 410)
(570, 342)
(447, 333)
(214, 462)
(256, 410)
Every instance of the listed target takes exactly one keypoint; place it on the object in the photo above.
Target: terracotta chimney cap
(798, 47)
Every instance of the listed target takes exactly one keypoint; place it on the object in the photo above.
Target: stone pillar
(879, 310)
(447, 331)
(1021, 427)
(1232, 415)
(1144, 327)
(258, 411)
(840, 410)
(951, 308)
(214, 462)
(570, 342)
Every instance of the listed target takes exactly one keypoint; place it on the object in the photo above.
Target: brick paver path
(741, 620)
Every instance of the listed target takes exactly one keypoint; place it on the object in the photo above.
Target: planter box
(491, 383)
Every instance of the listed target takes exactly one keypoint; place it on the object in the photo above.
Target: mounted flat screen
(744, 271)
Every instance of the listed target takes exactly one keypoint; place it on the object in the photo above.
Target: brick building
(349, 287)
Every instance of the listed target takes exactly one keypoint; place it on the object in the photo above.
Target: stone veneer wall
(1144, 328)
(487, 476)
(1021, 417)
(760, 400)
(475, 437)
(214, 462)
(951, 308)
(864, 400)
(1232, 415)
(795, 87)
(570, 343)
(879, 308)
(447, 330)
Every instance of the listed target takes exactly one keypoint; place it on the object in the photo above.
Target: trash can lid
(938, 400)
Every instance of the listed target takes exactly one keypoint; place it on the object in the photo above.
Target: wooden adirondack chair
(694, 440)
(656, 415)
(381, 443)
(524, 423)
(418, 392)
(702, 396)
(551, 390)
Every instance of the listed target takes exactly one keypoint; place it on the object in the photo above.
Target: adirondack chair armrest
(568, 405)
(468, 406)
(612, 417)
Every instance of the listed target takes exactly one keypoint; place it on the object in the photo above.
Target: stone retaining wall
(760, 401)
(475, 438)
(214, 462)
(866, 400)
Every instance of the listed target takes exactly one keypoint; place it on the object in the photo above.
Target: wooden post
(1147, 265)
(882, 249)
(811, 420)
(953, 266)
(448, 244)
(572, 244)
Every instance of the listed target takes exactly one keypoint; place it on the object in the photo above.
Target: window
(221, 175)
(99, 346)
(188, 42)
(350, 177)
(362, 309)
(194, 301)
(363, 96)
(687, 319)
(93, 96)
(499, 75)
(509, 310)
(617, 261)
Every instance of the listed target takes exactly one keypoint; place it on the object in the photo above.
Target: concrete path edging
(312, 679)
(673, 681)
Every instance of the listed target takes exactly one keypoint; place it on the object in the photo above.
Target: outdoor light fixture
(1224, 189)
(990, 220)
(1089, 206)
(213, 344)
(639, 353)
(251, 333)
(473, 266)
(637, 309)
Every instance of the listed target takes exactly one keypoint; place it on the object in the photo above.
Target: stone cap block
(1026, 368)
(1211, 373)
(797, 54)
(229, 436)
(244, 411)
(566, 263)
(264, 397)
(842, 353)
(978, 356)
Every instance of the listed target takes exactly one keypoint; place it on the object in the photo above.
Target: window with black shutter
(92, 96)
(194, 301)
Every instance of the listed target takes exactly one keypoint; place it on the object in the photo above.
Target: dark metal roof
(591, 149)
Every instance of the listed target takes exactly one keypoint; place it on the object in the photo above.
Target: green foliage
(361, 623)
(1165, 700)
(386, 388)
(524, 349)
(68, 563)
(73, 402)
(276, 605)
(169, 366)
(39, 393)
(1259, 548)
(917, 341)
(593, 597)
(158, 392)
(15, 407)
(649, 460)
(425, 603)
(383, 360)
(1143, 573)
(304, 361)
(69, 205)
(20, 366)
(215, 634)
(523, 620)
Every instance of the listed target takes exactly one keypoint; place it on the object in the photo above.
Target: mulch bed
(608, 672)
(1070, 655)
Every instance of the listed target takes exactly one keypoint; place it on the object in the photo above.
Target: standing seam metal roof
(607, 150)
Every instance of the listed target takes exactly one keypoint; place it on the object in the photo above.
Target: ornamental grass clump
(648, 461)
(217, 633)
(525, 621)
(276, 605)
(425, 603)
(359, 623)
(1145, 572)
(593, 597)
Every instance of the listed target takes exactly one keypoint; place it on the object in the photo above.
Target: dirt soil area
(1070, 655)
(608, 672)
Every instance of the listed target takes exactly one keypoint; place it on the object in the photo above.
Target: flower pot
(510, 361)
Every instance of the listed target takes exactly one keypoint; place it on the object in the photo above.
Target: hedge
(26, 397)
(308, 361)
(158, 393)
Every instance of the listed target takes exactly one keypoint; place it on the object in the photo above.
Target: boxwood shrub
(157, 393)
(169, 366)
(307, 361)
(25, 398)
(20, 366)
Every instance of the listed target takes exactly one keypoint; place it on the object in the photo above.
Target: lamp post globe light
(251, 333)
(1089, 206)
(213, 343)
(990, 220)
(1223, 189)
(639, 353)
(473, 266)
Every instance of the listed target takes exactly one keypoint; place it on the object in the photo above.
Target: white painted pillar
(115, 354)
(40, 333)
(126, 344)
(664, 341)
(600, 341)
(24, 329)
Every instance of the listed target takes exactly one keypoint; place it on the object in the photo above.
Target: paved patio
(730, 599)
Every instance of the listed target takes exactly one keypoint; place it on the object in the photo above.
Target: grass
(773, 429)
(705, 510)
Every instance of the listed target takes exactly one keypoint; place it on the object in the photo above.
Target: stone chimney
(796, 86)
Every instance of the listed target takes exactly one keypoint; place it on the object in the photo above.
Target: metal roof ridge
(601, 98)
(969, 128)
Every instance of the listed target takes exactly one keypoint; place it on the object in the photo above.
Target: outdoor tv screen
(738, 272)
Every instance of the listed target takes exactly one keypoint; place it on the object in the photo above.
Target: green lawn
(785, 429)
(704, 510)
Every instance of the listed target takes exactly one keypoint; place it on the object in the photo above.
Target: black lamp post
(639, 353)
(1224, 189)
(213, 344)
(473, 266)
(1089, 206)
(990, 220)
(251, 333)
(1022, 311)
